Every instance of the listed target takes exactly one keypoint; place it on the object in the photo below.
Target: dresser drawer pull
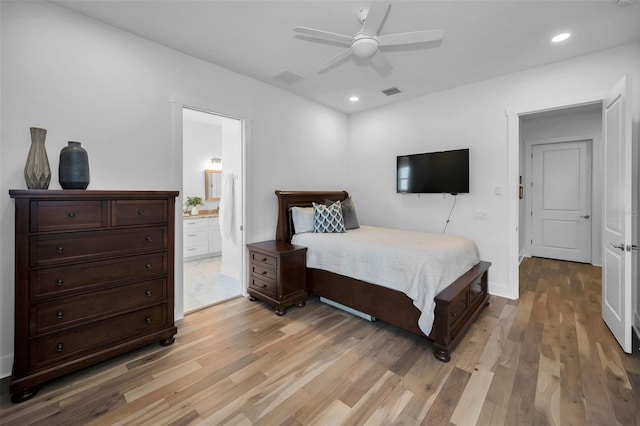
(147, 293)
(59, 347)
(147, 320)
(59, 282)
(264, 272)
(59, 314)
(453, 315)
(71, 215)
(149, 238)
(191, 235)
(140, 212)
(264, 286)
(59, 249)
(147, 266)
(264, 259)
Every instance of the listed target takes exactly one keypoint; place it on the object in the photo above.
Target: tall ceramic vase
(37, 173)
(73, 170)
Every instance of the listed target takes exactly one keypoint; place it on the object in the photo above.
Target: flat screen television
(434, 172)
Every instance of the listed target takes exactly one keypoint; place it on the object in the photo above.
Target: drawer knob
(141, 212)
(147, 293)
(264, 272)
(59, 249)
(59, 314)
(71, 215)
(149, 238)
(148, 266)
(147, 320)
(264, 286)
(59, 347)
(264, 259)
(59, 282)
(453, 315)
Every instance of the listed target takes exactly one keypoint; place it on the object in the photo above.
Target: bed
(456, 306)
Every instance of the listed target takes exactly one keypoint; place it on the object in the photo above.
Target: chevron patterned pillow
(328, 219)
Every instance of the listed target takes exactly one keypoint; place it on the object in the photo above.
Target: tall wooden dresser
(93, 279)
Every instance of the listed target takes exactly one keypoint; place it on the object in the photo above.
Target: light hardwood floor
(545, 359)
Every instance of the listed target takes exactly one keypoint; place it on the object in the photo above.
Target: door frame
(528, 202)
(177, 105)
(513, 115)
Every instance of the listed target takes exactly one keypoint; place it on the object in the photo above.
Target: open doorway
(212, 195)
(561, 203)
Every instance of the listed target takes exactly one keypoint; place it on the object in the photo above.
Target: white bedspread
(419, 264)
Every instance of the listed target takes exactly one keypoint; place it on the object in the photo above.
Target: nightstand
(278, 274)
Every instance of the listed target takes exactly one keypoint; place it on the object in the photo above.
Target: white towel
(227, 229)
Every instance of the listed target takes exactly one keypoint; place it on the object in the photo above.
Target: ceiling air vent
(391, 91)
(286, 77)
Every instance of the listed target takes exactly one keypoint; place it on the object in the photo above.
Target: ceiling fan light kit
(366, 43)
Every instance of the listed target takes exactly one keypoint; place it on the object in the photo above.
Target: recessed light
(354, 99)
(561, 37)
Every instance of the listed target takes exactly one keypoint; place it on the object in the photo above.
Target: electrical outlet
(480, 214)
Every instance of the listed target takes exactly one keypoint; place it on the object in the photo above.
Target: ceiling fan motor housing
(364, 46)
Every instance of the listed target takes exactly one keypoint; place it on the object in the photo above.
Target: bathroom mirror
(212, 184)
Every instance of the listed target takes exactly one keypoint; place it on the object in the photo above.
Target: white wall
(570, 123)
(201, 142)
(90, 82)
(473, 116)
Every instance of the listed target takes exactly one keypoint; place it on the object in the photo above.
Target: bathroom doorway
(212, 211)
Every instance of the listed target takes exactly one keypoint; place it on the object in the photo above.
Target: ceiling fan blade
(326, 35)
(410, 37)
(331, 62)
(381, 64)
(375, 18)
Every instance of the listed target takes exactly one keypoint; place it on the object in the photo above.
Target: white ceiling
(482, 39)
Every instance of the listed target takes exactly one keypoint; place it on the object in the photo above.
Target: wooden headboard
(288, 199)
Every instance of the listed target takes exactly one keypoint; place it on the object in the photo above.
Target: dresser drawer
(82, 339)
(264, 286)
(64, 280)
(192, 225)
(458, 307)
(58, 314)
(263, 272)
(67, 215)
(196, 248)
(61, 248)
(194, 237)
(264, 258)
(138, 212)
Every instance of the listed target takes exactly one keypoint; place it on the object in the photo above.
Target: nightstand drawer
(67, 215)
(264, 286)
(262, 272)
(264, 258)
(138, 212)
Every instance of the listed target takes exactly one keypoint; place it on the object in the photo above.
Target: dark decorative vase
(73, 171)
(37, 172)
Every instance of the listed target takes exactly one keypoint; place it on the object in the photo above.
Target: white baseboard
(502, 290)
(6, 362)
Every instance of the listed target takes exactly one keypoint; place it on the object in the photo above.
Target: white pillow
(302, 219)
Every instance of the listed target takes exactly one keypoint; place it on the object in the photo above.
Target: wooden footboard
(457, 306)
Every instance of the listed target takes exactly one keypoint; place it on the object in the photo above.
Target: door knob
(586, 216)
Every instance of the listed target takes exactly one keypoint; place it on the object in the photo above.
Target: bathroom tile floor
(205, 286)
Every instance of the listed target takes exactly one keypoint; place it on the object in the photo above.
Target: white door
(617, 197)
(561, 201)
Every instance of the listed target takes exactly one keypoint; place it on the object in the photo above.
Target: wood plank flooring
(545, 359)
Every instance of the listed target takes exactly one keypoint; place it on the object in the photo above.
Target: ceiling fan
(365, 43)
